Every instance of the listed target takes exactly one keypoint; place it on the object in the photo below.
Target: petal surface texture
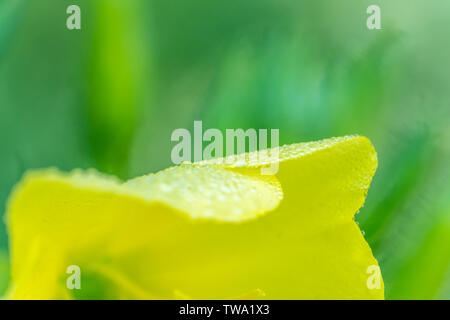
(207, 230)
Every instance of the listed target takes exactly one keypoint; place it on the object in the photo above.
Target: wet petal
(206, 230)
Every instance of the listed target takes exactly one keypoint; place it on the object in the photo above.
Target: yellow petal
(206, 230)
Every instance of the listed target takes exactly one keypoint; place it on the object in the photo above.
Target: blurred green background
(109, 96)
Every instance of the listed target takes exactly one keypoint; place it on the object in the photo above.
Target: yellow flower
(201, 231)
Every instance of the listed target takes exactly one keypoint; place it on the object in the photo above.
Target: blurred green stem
(118, 67)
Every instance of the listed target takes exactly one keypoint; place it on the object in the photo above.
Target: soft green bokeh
(110, 95)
